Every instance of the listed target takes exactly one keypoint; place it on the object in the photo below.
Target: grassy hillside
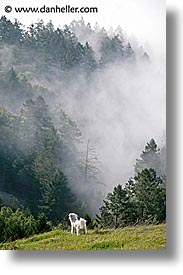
(129, 238)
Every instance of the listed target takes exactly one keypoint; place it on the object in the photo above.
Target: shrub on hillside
(18, 224)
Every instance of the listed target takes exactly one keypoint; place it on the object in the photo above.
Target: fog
(118, 108)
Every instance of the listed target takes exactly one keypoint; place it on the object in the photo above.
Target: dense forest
(48, 165)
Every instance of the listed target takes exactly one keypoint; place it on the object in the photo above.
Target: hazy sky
(146, 19)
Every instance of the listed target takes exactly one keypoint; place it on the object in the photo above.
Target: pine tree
(117, 209)
(11, 80)
(151, 158)
(149, 196)
(10, 33)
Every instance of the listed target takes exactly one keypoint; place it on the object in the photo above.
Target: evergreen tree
(46, 160)
(117, 209)
(53, 184)
(142, 200)
(112, 50)
(10, 33)
(129, 52)
(152, 157)
(149, 196)
(14, 91)
(11, 80)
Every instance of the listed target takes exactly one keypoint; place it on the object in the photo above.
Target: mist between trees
(78, 106)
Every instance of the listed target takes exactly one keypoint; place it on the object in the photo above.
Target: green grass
(129, 238)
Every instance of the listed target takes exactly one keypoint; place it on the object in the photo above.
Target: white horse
(77, 224)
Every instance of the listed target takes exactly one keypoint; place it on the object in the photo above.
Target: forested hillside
(65, 130)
